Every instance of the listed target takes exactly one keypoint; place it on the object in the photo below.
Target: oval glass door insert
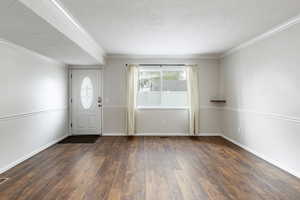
(86, 93)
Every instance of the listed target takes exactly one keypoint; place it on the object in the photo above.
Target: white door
(86, 102)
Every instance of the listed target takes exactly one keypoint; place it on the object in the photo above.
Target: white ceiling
(145, 27)
(20, 25)
(178, 26)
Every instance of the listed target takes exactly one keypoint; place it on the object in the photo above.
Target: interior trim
(29, 114)
(272, 115)
(264, 157)
(163, 134)
(58, 16)
(201, 107)
(85, 67)
(25, 157)
(187, 56)
(18, 47)
(69, 16)
(288, 24)
(161, 108)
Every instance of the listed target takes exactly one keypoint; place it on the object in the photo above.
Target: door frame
(70, 69)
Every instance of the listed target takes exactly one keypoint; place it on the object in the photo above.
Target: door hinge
(71, 125)
(71, 75)
(71, 100)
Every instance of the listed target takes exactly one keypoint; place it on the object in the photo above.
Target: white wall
(33, 103)
(262, 87)
(159, 122)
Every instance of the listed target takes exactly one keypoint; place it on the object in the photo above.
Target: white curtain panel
(193, 98)
(132, 87)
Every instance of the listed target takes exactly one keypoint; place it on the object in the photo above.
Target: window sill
(161, 108)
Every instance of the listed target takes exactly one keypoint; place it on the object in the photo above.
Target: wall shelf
(217, 101)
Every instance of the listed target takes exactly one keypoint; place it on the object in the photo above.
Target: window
(162, 87)
(86, 93)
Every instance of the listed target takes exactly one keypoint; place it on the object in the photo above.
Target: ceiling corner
(60, 18)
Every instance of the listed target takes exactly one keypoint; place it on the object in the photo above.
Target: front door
(86, 102)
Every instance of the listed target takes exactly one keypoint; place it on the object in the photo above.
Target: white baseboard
(260, 155)
(162, 134)
(208, 134)
(114, 134)
(264, 157)
(15, 163)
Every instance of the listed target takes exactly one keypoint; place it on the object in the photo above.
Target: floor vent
(3, 180)
(164, 137)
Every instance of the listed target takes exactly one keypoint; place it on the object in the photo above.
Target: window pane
(86, 93)
(149, 81)
(174, 88)
(174, 99)
(174, 81)
(149, 99)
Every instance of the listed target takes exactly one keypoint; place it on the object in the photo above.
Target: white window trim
(161, 69)
(161, 108)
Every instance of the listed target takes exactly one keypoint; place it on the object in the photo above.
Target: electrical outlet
(239, 130)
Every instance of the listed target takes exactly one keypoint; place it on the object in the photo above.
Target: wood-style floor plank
(148, 168)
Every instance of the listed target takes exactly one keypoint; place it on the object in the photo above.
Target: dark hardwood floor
(152, 168)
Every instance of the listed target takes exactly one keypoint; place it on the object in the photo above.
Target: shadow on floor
(84, 139)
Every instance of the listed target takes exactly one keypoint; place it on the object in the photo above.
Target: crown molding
(85, 67)
(21, 48)
(173, 56)
(57, 15)
(277, 29)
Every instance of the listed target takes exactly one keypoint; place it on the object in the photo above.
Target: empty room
(150, 100)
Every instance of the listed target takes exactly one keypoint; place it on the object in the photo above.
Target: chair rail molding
(29, 114)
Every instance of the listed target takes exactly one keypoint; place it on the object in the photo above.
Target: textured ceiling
(20, 25)
(146, 27)
(178, 26)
